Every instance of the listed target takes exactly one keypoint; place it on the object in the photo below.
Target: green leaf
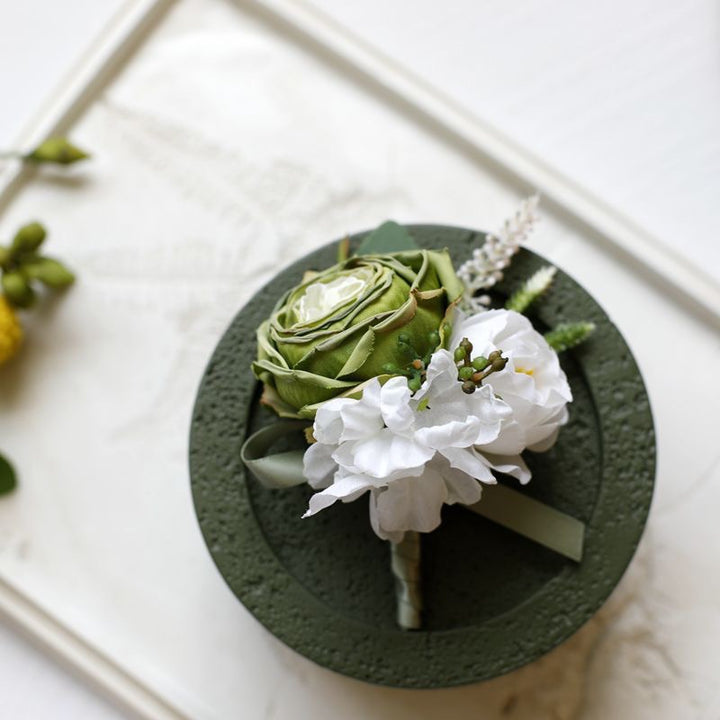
(343, 251)
(531, 289)
(568, 335)
(8, 479)
(388, 238)
(57, 150)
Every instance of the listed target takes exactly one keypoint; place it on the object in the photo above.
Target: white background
(623, 97)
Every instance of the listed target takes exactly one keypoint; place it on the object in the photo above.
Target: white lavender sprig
(485, 267)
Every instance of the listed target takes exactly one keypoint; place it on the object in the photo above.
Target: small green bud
(434, 338)
(17, 290)
(499, 364)
(49, 272)
(415, 383)
(480, 362)
(28, 238)
(467, 346)
(459, 354)
(57, 150)
(390, 369)
(468, 387)
(465, 373)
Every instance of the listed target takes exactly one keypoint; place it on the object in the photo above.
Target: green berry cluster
(416, 368)
(472, 371)
(22, 266)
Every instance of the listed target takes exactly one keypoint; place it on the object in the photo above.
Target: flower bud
(28, 238)
(49, 272)
(468, 387)
(17, 290)
(57, 150)
(465, 373)
(459, 354)
(480, 362)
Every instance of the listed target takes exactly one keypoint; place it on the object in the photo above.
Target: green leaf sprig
(569, 335)
(531, 289)
(23, 266)
(565, 335)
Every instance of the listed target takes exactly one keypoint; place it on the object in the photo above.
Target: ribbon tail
(532, 519)
(282, 470)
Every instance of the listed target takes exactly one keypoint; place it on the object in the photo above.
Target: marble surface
(224, 151)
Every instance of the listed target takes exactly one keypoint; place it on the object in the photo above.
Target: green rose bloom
(340, 327)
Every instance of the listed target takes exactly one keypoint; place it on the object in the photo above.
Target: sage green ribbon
(507, 507)
(405, 563)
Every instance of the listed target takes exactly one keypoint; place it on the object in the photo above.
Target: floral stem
(405, 557)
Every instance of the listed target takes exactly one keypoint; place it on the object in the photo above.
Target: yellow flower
(10, 331)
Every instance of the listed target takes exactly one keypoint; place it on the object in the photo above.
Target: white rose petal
(532, 384)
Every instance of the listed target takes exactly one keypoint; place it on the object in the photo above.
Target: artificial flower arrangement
(418, 392)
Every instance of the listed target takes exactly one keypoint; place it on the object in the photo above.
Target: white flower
(533, 384)
(413, 453)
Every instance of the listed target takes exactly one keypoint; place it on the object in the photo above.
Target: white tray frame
(618, 234)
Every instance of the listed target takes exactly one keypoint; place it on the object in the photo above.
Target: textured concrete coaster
(494, 600)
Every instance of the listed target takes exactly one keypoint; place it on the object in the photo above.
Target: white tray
(234, 140)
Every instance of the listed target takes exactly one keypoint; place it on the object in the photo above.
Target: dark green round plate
(494, 600)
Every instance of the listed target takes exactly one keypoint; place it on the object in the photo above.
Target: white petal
(469, 462)
(441, 376)
(451, 433)
(328, 425)
(510, 441)
(395, 404)
(347, 489)
(384, 456)
(359, 421)
(512, 465)
(461, 488)
(543, 437)
(394, 537)
(318, 464)
(411, 503)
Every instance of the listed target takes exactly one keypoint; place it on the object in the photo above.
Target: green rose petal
(340, 328)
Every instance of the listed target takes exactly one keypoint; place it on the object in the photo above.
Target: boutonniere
(415, 388)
